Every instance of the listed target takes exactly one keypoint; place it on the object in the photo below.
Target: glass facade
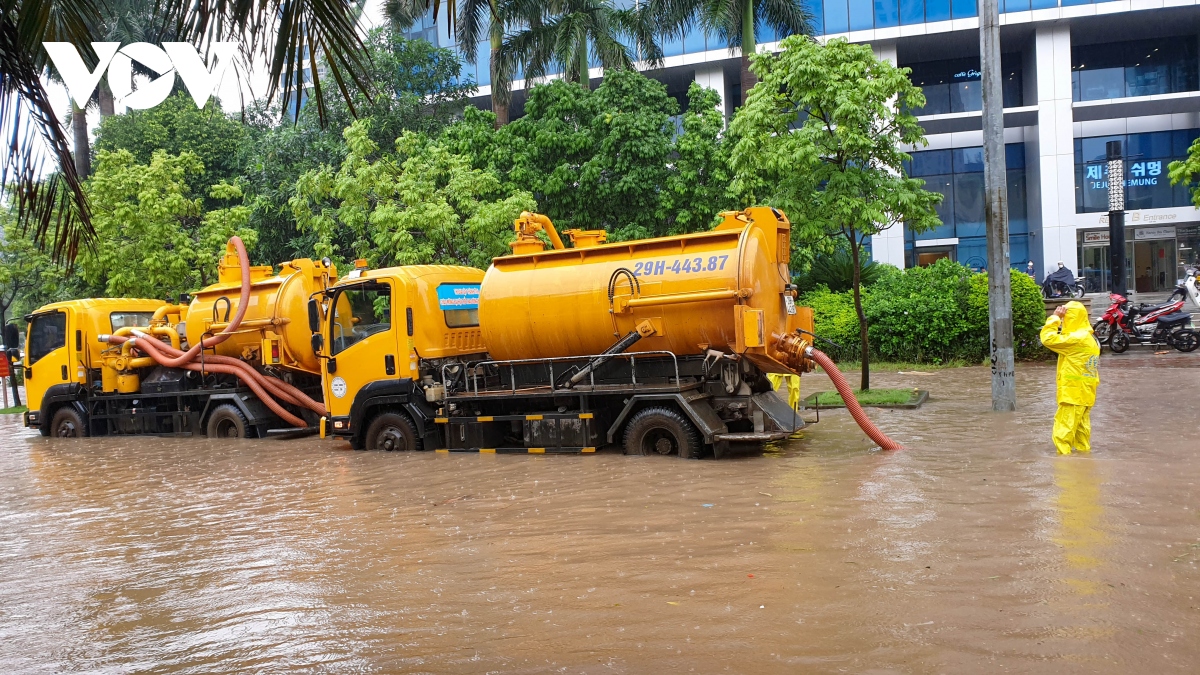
(841, 16)
(1138, 68)
(958, 176)
(954, 85)
(1146, 158)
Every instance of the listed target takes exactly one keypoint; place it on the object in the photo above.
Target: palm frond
(54, 208)
(785, 16)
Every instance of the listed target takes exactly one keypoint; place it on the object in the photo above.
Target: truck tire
(68, 423)
(227, 421)
(662, 431)
(392, 431)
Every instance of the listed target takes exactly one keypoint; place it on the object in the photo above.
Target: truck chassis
(649, 402)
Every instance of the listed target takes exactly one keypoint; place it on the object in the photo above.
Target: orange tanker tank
(275, 330)
(728, 290)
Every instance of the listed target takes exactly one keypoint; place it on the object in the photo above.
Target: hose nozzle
(795, 352)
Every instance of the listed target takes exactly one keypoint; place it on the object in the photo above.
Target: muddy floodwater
(976, 550)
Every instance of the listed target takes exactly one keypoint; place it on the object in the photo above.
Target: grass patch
(14, 410)
(873, 397)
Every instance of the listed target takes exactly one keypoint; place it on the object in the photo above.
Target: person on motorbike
(1068, 334)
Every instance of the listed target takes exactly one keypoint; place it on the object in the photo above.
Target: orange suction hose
(243, 304)
(856, 411)
(147, 345)
(287, 392)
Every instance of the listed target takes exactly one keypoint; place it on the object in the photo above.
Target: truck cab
(381, 336)
(62, 355)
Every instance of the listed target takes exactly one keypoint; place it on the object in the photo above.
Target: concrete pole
(1004, 390)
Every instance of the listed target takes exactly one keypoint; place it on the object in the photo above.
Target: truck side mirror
(314, 316)
(318, 343)
(12, 336)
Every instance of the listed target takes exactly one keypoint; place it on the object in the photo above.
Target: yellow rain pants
(1072, 428)
(793, 387)
(1078, 375)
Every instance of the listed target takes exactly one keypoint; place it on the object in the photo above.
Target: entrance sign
(1154, 233)
(199, 79)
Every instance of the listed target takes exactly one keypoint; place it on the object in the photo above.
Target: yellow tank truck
(660, 345)
(86, 373)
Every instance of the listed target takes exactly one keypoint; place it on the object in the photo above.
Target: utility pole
(1004, 389)
(1116, 217)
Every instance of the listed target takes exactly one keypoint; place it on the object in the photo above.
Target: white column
(888, 246)
(713, 77)
(1055, 147)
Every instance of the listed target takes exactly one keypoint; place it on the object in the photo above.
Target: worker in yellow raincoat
(1068, 334)
(793, 387)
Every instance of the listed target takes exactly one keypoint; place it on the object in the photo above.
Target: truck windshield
(135, 319)
(358, 313)
(47, 332)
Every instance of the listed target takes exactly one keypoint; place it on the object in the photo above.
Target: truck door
(47, 357)
(364, 342)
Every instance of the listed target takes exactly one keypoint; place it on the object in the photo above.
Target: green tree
(417, 89)
(697, 188)
(573, 32)
(734, 21)
(423, 205)
(608, 159)
(839, 170)
(175, 126)
(28, 277)
(477, 20)
(287, 34)
(154, 237)
(1186, 170)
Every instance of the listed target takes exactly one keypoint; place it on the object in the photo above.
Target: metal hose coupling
(795, 352)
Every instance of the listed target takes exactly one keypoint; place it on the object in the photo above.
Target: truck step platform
(520, 451)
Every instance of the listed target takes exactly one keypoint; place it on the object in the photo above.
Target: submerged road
(974, 551)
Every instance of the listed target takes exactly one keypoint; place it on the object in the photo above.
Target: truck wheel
(662, 431)
(68, 423)
(392, 431)
(226, 421)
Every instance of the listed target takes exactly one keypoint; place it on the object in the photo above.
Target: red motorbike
(1146, 324)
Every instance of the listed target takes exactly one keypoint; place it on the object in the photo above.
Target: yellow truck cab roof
(111, 304)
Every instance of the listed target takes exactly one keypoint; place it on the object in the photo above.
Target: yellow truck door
(364, 340)
(47, 356)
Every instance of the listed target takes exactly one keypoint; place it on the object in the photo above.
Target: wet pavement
(976, 550)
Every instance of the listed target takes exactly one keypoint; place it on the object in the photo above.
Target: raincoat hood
(1076, 318)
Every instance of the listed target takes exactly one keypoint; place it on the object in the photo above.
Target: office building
(1076, 75)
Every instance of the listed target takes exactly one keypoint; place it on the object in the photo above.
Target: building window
(1146, 158)
(1138, 68)
(958, 176)
(955, 85)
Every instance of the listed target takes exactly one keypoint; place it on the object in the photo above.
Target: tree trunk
(107, 109)
(83, 150)
(749, 45)
(500, 93)
(585, 80)
(862, 317)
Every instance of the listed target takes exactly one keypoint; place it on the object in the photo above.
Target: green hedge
(927, 314)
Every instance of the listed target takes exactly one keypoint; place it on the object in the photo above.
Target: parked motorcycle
(1062, 283)
(1189, 288)
(1145, 324)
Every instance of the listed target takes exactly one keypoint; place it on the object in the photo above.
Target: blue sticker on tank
(458, 296)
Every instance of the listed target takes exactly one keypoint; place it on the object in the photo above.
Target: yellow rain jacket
(1078, 355)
